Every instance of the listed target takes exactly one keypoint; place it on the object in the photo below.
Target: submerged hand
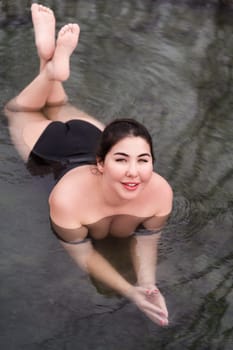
(156, 298)
(152, 303)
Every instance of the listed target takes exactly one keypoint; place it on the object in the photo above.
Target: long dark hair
(119, 129)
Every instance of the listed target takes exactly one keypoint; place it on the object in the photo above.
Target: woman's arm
(97, 266)
(89, 260)
(144, 250)
(144, 257)
(80, 248)
(73, 237)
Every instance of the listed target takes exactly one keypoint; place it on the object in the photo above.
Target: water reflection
(169, 64)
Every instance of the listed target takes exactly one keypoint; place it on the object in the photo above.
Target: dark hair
(119, 129)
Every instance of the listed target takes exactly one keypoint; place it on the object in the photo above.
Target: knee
(13, 106)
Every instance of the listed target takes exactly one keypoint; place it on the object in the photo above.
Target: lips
(130, 186)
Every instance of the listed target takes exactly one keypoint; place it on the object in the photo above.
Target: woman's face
(127, 167)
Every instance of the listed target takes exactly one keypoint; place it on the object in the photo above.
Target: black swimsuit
(65, 146)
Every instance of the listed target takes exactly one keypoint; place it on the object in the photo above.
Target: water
(168, 64)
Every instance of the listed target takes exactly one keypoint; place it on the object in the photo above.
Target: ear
(100, 165)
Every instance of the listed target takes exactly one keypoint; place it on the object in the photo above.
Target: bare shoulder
(162, 191)
(64, 198)
(61, 210)
(160, 183)
(71, 184)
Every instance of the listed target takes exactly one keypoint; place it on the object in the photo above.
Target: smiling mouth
(130, 186)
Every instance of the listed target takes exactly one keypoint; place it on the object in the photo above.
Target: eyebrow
(126, 155)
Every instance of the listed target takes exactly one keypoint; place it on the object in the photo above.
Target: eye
(120, 160)
(143, 160)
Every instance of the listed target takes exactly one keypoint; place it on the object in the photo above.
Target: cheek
(147, 173)
(117, 172)
(112, 171)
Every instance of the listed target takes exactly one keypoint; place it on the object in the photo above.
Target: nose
(132, 170)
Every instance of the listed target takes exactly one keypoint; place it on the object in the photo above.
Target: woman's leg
(39, 92)
(27, 122)
(56, 104)
(44, 25)
(35, 95)
(26, 119)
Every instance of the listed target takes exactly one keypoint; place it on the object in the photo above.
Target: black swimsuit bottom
(69, 144)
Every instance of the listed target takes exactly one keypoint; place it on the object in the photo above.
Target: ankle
(55, 73)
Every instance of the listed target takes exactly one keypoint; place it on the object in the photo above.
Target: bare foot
(59, 67)
(44, 26)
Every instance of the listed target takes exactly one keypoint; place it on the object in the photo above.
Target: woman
(107, 185)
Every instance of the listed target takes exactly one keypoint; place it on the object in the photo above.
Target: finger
(158, 299)
(154, 308)
(156, 319)
(158, 307)
(152, 292)
(157, 313)
(163, 305)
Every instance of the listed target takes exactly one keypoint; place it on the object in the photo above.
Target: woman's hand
(151, 302)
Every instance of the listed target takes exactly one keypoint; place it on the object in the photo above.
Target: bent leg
(27, 122)
(35, 95)
(44, 24)
(25, 129)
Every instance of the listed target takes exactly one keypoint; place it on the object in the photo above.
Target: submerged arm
(89, 260)
(80, 248)
(144, 250)
(64, 213)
